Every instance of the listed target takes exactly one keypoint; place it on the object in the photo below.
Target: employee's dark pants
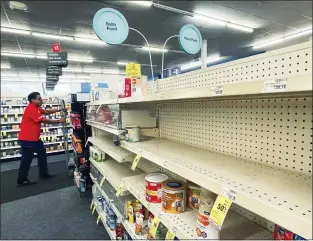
(28, 150)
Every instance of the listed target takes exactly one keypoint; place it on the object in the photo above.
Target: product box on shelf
(281, 233)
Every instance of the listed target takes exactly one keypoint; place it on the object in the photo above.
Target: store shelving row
(259, 188)
(48, 127)
(19, 155)
(114, 172)
(103, 220)
(105, 143)
(253, 88)
(129, 227)
(235, 226)
(106, 128)
(45, 143)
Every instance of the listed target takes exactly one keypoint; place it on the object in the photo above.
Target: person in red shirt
(29, 139)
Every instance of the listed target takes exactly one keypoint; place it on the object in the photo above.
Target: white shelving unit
(129, 227)
(235, 227)
(118, 153)
(244, 125)
(45, 143)
(114, 172)
(42, 136)
(16, 156)
(105, 128)
(103, 220)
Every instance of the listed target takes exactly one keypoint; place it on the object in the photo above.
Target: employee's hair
(32, 95)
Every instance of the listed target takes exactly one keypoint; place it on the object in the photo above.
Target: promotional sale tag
(93, 210)
(221, 207)
(170, 235)
(133, 70)
(102, 181)
(119, 190)
(98, 219)
(16, 115)
(135, 162)
(154, 226)
(5, 116)
(4, 133)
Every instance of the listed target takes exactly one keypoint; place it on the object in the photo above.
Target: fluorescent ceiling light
(122, 63)
(41, 56)
(143, 3)
(240, 27)
(210, 20)
(280, 40)
(192, 65)
(152, 49)
(80, 60)
(269, 43)
(52, 36)
(90, 41)
(12, 30)
(176, 10)
(3, 66)
(299, 34)
(21, 55)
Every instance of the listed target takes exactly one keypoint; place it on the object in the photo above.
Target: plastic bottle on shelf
(203, 228)
(130, 212)
(139, 222)
(119, 230)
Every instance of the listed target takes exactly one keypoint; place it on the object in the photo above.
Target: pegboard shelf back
(277, 195)
(287, 62)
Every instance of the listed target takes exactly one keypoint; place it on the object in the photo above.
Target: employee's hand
(62, 120)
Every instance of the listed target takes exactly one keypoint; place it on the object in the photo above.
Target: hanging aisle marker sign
(190, 39)
(110, 26)
(221, 207)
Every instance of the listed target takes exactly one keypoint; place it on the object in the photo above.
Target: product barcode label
(275, 85)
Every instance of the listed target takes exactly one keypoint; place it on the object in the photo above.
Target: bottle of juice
(151, 216)
(130, 212)
(136, 206)
(119, 230)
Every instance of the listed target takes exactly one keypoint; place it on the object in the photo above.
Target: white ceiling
(270, 20)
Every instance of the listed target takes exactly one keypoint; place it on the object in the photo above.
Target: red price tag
(56, 48)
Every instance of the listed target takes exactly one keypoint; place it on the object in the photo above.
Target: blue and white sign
(110, 26)
(190, 39)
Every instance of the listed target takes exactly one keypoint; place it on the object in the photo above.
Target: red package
(281, 233)
(128, 89)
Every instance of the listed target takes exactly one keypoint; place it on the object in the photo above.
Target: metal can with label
(133, 133)
(154, 187)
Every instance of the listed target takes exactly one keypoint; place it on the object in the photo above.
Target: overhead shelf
(114, 172)
(280, 196)
(232, 90)
(105, 127)
(116, 152)
(235, 226)
(45, 143)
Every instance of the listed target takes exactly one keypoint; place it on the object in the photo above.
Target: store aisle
(9, 190)
(60, 214)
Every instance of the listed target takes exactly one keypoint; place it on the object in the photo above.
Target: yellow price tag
(16, 115)
(93, 210)
(5, 116)
(221, 207)
(119, 190)
(102, 181)
(98, 219)
(133, 70)
(135, 162)
(154, 226)
(170, 235)
(4, 133)
(91, 205)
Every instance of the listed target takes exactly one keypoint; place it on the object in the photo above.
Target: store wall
(23, 89)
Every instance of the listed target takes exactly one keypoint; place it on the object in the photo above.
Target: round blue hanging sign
(190, 39)
(110, 26)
